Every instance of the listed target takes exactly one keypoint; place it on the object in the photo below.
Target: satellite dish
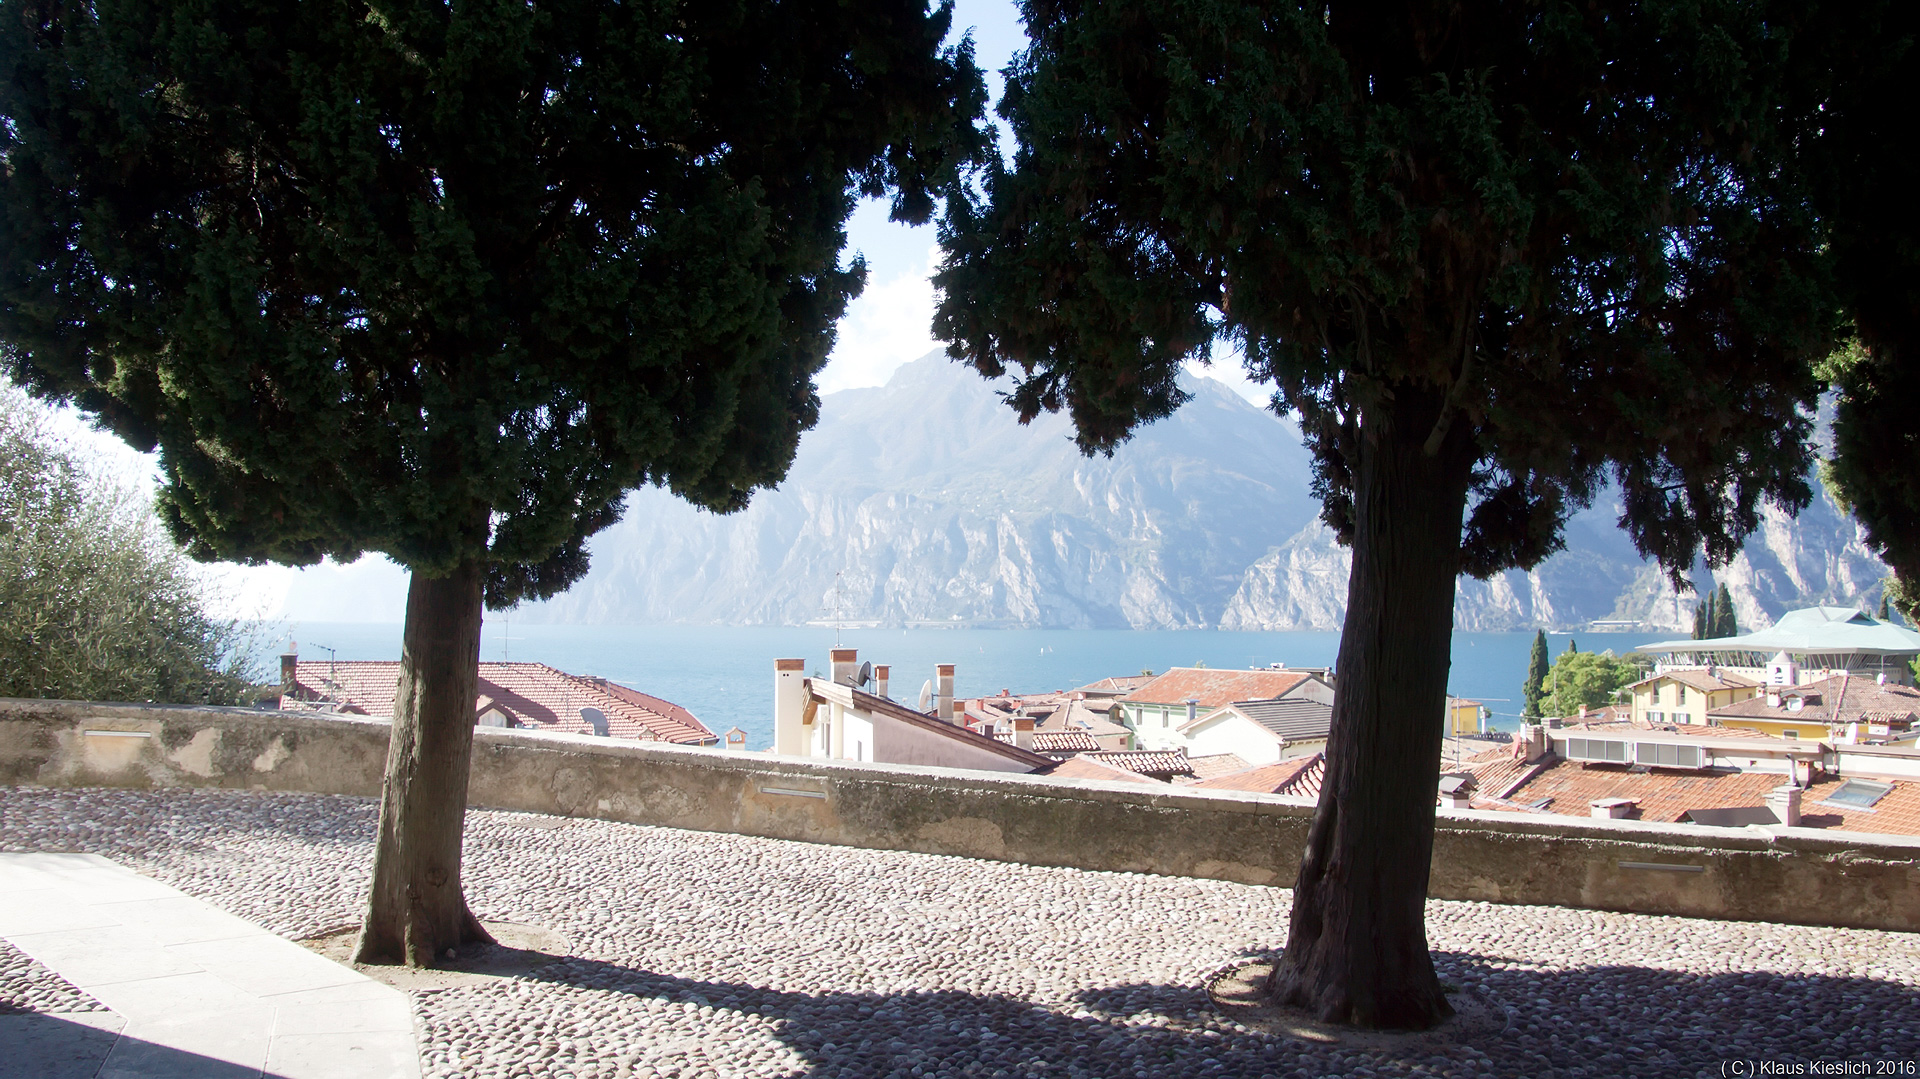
(926, 695)
(865, 675)
(595, 719)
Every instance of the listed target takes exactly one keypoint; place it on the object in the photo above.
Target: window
(1596, 749)
(1683, 717)
(859, 750)
(1858, 794)
(1790, 734)
(1656, 717)
(1679, 694)
(1667, 755)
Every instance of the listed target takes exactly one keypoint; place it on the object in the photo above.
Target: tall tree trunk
(1357, 946)
(417, 910)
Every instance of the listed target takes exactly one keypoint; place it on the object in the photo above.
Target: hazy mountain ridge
(934, 506)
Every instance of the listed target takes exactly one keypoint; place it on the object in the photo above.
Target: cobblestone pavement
(27, 986)
(699, 954)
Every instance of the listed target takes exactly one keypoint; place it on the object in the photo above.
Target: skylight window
(1858, 794)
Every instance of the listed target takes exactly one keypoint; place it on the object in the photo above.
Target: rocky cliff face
(923, 502)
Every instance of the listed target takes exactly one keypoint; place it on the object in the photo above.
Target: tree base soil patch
(1240, 994)
(518, 950)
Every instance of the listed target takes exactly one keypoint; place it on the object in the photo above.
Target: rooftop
(1293, 720)
(1213, 688)
(532, 695)
(1810, 631)
(1568, 788)
(693, 953)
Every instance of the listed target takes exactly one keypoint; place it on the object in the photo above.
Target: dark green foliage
(1562, 219)
(1531, 691)
(1724, 622)
(98, 604)
(1492, 256)
(1700, 630)
(1862, 64)
(445, 282)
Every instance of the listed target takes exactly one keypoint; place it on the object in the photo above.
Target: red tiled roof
(1216, 764)
(1063, 742)
(533, 695)
(1299, 777)
(1698, 678)
(1665, 796)
(1085, 767)
(1150, 762)
(1124, 683)
(1858, 698)
(1214, 688)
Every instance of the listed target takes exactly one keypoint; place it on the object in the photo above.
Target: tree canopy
(1861, 65)
(99, 604)
(446, 281)
(1588, 680)
(1491, 256)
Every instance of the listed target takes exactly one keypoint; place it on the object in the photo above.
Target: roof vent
(595, 719)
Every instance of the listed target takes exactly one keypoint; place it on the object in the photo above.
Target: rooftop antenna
(839, 605)
(332, 684)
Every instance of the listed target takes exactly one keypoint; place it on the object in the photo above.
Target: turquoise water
(724, 675)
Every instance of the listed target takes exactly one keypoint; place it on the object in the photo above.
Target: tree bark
(417, 910)
(1357, 944)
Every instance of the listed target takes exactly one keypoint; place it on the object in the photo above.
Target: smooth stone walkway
(195, 992)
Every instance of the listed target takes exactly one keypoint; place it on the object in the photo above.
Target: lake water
(724, 675)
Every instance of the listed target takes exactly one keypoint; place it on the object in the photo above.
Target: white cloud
(890, 324)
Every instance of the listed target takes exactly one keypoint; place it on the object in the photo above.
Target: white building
(1261, 732)
(834, 718)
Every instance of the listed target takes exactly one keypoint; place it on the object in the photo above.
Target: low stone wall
(1780, 874)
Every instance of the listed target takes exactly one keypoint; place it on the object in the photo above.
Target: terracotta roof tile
(1664, 795)
(1299, 777)
(1149, 762)
(1698, 678)
(1216, 764)
(1084, 767)
(1214, 688)
(1063, 742)
(533, 695)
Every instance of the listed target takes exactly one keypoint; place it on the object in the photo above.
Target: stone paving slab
(194, 992)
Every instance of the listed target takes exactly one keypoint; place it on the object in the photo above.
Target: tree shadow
(1595, 1021)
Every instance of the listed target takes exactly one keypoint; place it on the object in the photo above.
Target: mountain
(924, 502)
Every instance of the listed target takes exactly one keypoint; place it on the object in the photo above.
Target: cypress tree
(446, 281)
(1725, 624)
(1700, 630)
(1535, 685)
(1491, 255)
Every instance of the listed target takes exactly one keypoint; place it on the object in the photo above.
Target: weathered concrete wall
(1786, 875)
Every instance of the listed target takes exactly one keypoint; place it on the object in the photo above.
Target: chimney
(943, 692)
(789, 706)
(1611, 808)
(1456, 792)
(289, 666)
(846, 666)
(737, 739)
(1023, 731)
(880, 681)
(1785, 802)
(1533, 739)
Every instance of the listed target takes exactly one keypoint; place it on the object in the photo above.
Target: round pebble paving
(702, 954)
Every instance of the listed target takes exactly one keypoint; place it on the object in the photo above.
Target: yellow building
(1464, 716)
(1687, 696)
